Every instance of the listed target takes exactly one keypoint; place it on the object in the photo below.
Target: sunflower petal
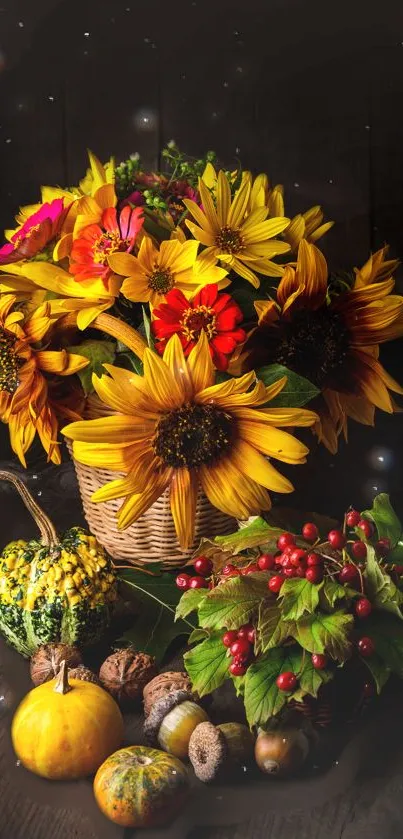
(272, 441)
(137, 504)
(161, 382)
(200, 364)
(115, 429)
(175, 359)
(107, 455)
(255, 466)
(223, 198)
(183, 497)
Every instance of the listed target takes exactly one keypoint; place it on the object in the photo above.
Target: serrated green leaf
(380, 671)
(234, 602)
(384, 517)
(272, 629)
(154, 628)
(310, 679)
(387, 634)
(332, 591)
(325, 633)
(98, 354)
(257, 533)
(197, 635)
(297, 597)
(379, 587)
(207, 664)
(396, 554)
(263, 699)
(189, 602)
(296, 392)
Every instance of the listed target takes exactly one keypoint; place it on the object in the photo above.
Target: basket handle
(43, 522)
(114, 327)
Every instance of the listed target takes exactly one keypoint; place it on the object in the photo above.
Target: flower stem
(114, 327)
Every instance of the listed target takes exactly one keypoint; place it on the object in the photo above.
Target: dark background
(310, 92)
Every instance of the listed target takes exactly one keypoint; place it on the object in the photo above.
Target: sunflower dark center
(9, 363)
(313, 344)
(198, 319)
(193, 435)
(161, 281)
(229, 240)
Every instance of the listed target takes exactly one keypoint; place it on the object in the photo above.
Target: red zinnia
(90, 251)
(215, 313)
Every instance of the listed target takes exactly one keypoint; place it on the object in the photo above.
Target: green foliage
(386, 632)
(207, 664)
(263, 699)
(189, 602)
(272, 629)
(233, 602)
(256, 534)
(388, 525)
(320, 633)
(297, 390)
(381, 590)
(298, 597)
(98, 354)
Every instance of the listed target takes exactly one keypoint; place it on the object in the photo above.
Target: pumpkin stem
(62, 681)
(47, 530)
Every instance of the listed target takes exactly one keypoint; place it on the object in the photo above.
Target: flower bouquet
(172, 325)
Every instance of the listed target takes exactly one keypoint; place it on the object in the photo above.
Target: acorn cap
(159, 711)
(207, 751)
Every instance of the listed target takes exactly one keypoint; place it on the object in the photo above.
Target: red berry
(198, 582)
(314, 559)
(266, 562)
(337, 539)
(286, 681)
(366, 646)
(297, 556)
(398, 569)
(352, 518)
(358, 550)
(240, 647)
(203, 566)
(229, 637)
(252, 635)
(366, 528)
(284, 540)
(182, 581)
(314, 574)
(348, 573)
(319, 661)
(290, 572)
(363, 607)
(310, 532)
(250, 569)
(228, 570)
(244, 630)
(300, 572)
(286, 561)
(383, 547)
(275, 583)
(238, 667)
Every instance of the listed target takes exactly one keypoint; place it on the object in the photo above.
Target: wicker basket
(152, 538)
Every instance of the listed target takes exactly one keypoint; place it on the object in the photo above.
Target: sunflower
(155, 271)
(24, 402)
(332, 340)
(217, 314)
(240, 238)
(175, 428)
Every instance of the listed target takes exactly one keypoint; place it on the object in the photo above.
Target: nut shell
(282, 751)
(46, 661)
(207, 751)
(160, 710)
(164, 684)
(84, 674)
(125, 673)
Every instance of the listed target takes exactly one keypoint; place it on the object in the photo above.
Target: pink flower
(36, 232)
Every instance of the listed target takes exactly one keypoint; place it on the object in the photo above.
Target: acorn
(125, 673)
(171, 722)
(45, 662)
(84, 674)
(281, 751)
(215, 751)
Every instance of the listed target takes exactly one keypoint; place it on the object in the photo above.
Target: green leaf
(272, 628)
(387, 634)
(296, 392)
(298, 596)
(147, 328)
(189, 602)
(322, 633)
(197, 635)
(255, 534)
(311, 680)
(385, 519)
(207, 664)
(154, 627)
(332, 591)
(380, 671)
(234, 602)
(379, 587)
(263, 699)
(396, 554)
(129, 361)
(98, 354)
(245, 295)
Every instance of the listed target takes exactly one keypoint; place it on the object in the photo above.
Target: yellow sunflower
(155, 271)
(24, 399)
(239, 238)
(334, 344)
(175, 428)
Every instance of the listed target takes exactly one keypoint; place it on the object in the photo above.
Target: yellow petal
(106, 455)
(123, 263)
(244, 272)
(113, 489)
(272, 442)
(200, 364)
(239, 206)
(61, 362)
(197, 214)
(136, 505)
(223, 198)
(115, 429)
(167, 392)
(175, 359)
(256, 467)
(183, 497)
(206, 237)
(208, 207)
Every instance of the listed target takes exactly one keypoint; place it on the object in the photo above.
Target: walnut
(45, 662)
(84, 674)
(125, 673)
(165, 683)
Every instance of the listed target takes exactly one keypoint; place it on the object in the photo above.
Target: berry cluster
(240, 643)
(203, 567)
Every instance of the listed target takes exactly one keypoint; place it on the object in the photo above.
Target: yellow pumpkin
(64, 730)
